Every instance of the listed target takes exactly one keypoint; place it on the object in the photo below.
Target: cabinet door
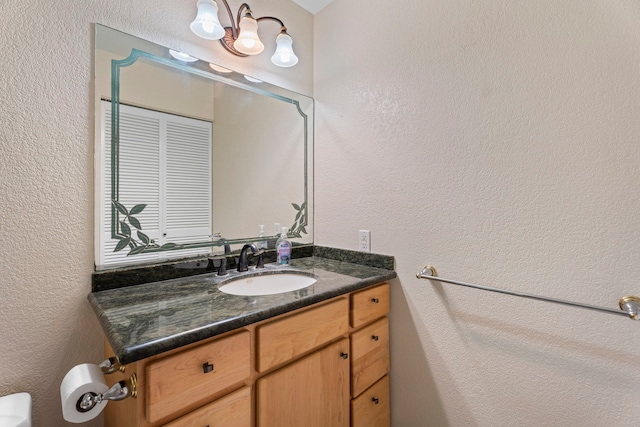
(312, 392)
(233, 410)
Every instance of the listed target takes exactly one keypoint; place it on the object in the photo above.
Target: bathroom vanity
(318, 356)
(172, 138)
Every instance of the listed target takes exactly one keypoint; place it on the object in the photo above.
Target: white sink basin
(267, 284)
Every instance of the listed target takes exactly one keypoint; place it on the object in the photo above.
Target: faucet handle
(223, 267)
(221, 264)
(260, 263)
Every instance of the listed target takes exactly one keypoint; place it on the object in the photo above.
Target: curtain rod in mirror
(241, 38)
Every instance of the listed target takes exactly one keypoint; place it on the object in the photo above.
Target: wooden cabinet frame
(274, 345)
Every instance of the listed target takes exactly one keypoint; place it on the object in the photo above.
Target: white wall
(46, 170)
(498, 141)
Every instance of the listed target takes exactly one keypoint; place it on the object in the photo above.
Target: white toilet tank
(15, 410)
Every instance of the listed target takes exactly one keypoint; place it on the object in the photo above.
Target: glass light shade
(206, 24)
(220, 69)
(248, 41)
(182, 56)
(252, 79)
(284, 56)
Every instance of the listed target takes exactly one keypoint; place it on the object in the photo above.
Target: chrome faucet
(243, 263)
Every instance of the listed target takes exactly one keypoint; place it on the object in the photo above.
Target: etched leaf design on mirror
(125, 237)
(300, 221)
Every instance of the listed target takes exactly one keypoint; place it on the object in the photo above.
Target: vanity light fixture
(241, 38)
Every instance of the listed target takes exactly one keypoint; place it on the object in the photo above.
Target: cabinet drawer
(371, 408)
(233, 410)
(369, 305)
(369, 355)
(310, 392)
(182, 379)
(291, 336)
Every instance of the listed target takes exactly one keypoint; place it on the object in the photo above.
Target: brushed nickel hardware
(119, 391)
(110, 365)
(629, 305)
(344, 355)
(207, 367)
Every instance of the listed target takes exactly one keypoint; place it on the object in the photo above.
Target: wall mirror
(191, 158)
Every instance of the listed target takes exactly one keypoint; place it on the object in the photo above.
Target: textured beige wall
(46, 171)
(498, 141)
(501, 138)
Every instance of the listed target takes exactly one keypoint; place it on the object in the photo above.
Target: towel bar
(629, 305)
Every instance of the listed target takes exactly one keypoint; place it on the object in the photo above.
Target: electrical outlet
(364, 242)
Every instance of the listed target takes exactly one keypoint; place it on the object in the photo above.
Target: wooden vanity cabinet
(318, 366)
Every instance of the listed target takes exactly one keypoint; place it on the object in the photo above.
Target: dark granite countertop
(147, 319)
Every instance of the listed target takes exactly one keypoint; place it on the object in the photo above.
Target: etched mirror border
(122, 231)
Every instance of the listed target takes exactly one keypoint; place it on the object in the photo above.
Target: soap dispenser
(263, 243)
(283, 248)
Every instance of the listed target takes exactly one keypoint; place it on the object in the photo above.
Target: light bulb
(208, 26)
(248, 41)
(206, 23)
(284, 56)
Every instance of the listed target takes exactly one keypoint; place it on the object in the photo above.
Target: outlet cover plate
(364, 241)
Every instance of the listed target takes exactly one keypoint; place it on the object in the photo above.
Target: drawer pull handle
(344, 355)
(375, 337)
(375, 400)
(207, 367)
(375, 300)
